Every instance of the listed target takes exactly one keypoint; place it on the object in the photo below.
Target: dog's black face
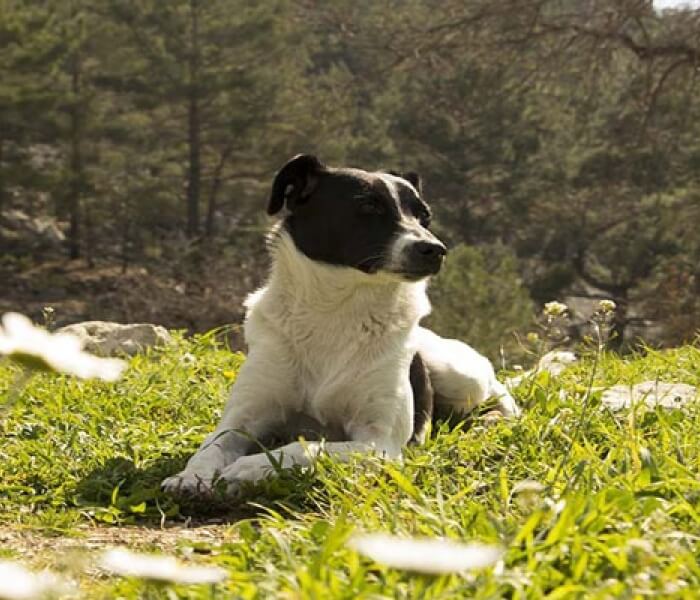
(374, 222)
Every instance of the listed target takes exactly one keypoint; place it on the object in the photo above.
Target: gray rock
(49, 230)
(18, 226)
(556, 361)
(17, 219)
(652, 393)
(109, 339)
(553, 362)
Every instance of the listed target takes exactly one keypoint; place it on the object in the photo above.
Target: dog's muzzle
(425, 257)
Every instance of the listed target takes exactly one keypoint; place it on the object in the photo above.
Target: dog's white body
(335, 344)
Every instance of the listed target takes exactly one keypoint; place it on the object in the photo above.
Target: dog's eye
(424, 218)
(372, 206)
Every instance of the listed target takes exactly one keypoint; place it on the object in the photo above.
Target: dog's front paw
(245, 471)
(188, 485)
(507, 407)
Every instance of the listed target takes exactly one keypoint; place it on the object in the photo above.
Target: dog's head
(373, 222)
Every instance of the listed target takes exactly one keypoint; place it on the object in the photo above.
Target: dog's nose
(431, 249)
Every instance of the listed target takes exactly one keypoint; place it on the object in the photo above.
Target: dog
(336, 353)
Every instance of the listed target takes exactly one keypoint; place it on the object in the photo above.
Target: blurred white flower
(527, 493)
(36, 348)
(606, 306)
(642, 545)
(555, 309)
(555, 507)
(18, 583)
(188, 359)
(528, 486)
(646, 457)
(436, 555)
(159, 568)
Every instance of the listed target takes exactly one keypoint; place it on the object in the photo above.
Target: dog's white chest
(347, 342)
(340, 361)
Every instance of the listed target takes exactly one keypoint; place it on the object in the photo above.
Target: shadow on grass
(118, 492)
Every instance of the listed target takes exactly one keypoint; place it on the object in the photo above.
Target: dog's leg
(254, 467)
(227, 443)
(255, 408)
(505, 403)
(423, 399)
(462, 379)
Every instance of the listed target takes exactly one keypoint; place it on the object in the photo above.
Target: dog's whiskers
(380, 258)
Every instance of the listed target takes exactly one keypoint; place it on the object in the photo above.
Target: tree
(29, 53)
(215, 71)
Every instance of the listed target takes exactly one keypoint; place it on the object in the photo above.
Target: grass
(619, 515)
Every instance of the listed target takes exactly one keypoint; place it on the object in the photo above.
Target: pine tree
(29, 55)
(215, 73)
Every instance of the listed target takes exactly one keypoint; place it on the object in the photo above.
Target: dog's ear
(294, 183)
(414, 179)
(411, 176)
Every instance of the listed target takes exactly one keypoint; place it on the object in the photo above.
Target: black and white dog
(336, 353)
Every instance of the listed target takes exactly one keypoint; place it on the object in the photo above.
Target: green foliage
(29, 56)
(478, 297)
(617, 516)
(88, 457)
(567, 131)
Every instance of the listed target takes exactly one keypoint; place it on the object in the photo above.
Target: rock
(652, 393)
(17, 219)
(19, 228)
(109, 339)
(556, 361)
(49, 230)
(553, 362)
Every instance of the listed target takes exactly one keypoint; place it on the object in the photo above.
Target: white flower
(606, 306)
(188, 359)
(18, 583)
(555, 309)
(36, 348)
(427, 555)
(646, 457)
(160, 568)
(555, 507)
(528, 486)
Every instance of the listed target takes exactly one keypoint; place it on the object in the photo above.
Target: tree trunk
(2, 177)
(211, 208)
(194, 127)
(76, 159)
(214, 192)
(125, 235)
(88, 237)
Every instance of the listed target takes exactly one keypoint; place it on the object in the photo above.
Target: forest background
(558, 142)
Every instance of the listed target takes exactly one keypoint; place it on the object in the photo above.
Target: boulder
(49, 231)
(26, 232)
(553, 362)
(109, 339)
(556, 361)
(652, 393)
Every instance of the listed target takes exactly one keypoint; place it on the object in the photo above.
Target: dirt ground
(37, 545)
